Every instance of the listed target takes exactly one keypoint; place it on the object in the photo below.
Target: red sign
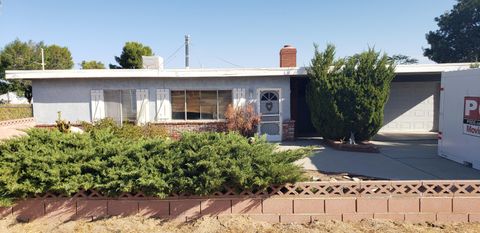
(471, 108)
(471, 116)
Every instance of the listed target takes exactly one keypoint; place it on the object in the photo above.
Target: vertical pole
(187, 52)
(43, 59)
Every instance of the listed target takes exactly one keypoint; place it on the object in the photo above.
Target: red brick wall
(288, 56)
(274, 209)
(288, 130)
(16, 122)
(175, 128)
(412, 201)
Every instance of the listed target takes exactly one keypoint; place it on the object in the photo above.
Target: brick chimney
(288, 56)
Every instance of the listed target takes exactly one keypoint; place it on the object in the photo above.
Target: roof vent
(152, 62)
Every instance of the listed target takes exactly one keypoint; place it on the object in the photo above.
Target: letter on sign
(471, 116)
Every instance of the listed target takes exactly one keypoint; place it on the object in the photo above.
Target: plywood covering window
(199, 104)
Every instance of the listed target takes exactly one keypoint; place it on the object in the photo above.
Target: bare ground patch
(227, 224)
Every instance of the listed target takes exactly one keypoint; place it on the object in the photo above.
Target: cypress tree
(348, 95)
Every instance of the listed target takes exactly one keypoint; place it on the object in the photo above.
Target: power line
(222, 59)
(173, 55)
(231, 63)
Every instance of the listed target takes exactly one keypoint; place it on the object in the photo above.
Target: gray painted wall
(72, 96)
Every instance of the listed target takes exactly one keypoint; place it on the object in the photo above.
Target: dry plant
(243, 120)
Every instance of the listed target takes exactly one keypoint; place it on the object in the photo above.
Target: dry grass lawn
(15, 111)
(225, 225)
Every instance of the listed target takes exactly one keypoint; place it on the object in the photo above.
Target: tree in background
(400, 59)
(92, 65)
(57, 58)
(347, 96)
(18, 55)
(458, 36)
(131, 57)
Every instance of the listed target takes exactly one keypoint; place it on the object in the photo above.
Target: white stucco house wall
(193, 99)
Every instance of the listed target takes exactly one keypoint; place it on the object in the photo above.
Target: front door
(270, 124)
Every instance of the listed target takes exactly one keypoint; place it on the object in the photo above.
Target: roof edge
(222, 72)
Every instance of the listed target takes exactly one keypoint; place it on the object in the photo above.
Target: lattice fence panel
(321, 189)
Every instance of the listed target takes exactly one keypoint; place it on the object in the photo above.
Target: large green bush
(197, 164)
(348, 95)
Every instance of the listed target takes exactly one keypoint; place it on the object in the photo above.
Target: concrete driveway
(14, 130)
(402, 156)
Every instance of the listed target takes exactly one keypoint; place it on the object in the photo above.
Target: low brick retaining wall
(193, 126)
(288, 127)
(412, 201)
(363, 147)
(20, 121)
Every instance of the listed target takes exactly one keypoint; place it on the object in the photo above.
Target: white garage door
(412, 107)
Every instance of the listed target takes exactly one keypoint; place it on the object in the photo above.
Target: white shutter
(239, 97)
(142, 106)
(97, 105)
(164, 107)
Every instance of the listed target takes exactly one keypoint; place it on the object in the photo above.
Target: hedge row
(197, 164)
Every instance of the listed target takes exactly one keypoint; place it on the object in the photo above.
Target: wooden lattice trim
(20, 121)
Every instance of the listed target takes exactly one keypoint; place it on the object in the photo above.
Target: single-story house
(195, 99)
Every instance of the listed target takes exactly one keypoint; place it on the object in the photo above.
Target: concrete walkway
(399, 158)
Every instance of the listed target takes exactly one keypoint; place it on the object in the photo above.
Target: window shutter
(239, 97)
(142, 106)
(97, 105)
(164, 107)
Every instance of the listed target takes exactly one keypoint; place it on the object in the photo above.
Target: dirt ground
(227, 225)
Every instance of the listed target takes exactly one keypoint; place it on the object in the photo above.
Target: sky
(247, 33)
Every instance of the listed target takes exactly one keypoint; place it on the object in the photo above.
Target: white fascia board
(151, 73)
(211, 73)
(431, 68)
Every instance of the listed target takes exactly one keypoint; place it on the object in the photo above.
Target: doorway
(270, 110)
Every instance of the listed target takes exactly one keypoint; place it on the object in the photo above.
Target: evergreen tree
(131, 57)
(458, 36)
(400, 59)
(348, 95)
(18, 55)
(92, 65)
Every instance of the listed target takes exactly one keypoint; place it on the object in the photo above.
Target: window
(224, 99)
(200, 105)
(120, 105)
(178, 105)
(208, 105)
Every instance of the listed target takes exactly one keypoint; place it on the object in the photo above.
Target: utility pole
(187, 52)
(43, 59)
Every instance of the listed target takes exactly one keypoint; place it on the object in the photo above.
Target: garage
(412, 107)
(413, 104)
